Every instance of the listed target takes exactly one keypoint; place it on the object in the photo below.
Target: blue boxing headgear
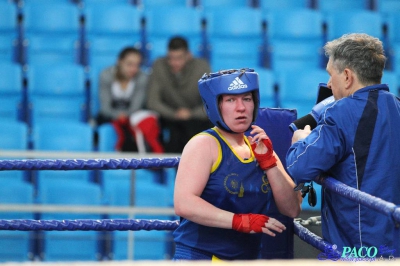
(233, 81)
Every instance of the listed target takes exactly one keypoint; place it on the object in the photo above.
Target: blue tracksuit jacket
(357, 142)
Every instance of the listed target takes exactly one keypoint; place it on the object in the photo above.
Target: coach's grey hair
(359, 52)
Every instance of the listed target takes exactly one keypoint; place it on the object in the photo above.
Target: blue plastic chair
(234, 22)
(354, 21)
(149, 245)
(385, 7)
(211, 4)
(11, 94)
(109, 28)
(393, 24)
(70, 246)
(56, 91)
(94, 78)
(395, 49)
(268, 97)
(294, 38)
(164, 23)
(392, 79)
(163, 3)
(16, 245)
(336, 5)
(298, 89)
(234, 34)
(62, 136)
(96, 2)
(269, 5)
(107, 138)
(8, 31)
(13, 136)
(230, 54)
(51, 32)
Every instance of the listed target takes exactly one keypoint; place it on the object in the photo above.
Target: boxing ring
(303, 233)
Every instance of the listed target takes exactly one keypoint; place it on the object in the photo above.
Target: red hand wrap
(246, 223)
(266, 160)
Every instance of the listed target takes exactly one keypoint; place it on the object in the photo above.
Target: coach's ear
(350, 78)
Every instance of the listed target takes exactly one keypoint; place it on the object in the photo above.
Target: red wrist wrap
(246, 223)
(266, 160)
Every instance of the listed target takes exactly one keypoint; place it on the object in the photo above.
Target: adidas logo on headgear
(237, 84)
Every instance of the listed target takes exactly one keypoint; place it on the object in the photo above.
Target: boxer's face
(237, 111)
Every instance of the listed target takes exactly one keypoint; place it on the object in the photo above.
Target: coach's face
(338, 81)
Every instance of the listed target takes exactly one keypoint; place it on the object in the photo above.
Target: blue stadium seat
(298, 89)
(61, 177)
(354, 21)
(51, 32)
(268, 5)
(395, 50)
(161, 26)
(393, 24)
(150, 245)
(295, 55)
(56, 91)
(163, 3)
(96, 2)
(16, 245)
(294, 38)
(230, 54)
(70, 246)
(335, 5)
(107, 138)
(94, 79)
(8, 31)
(268, 97)
(62, 136)
(235, 34)
(108, 29)
(210, 4)
(392, 79)
(385, 7)
(11, 94)
(13, 136)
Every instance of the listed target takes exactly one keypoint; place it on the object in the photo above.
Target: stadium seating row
(47, 93)
(56, 188)
(230, 36)
(380, 5)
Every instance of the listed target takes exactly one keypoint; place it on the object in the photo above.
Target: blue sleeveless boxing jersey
(234, 185)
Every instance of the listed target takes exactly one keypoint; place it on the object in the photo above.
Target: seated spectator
(123, 90)
(174, 95)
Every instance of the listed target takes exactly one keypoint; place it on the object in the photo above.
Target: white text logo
(237, 84)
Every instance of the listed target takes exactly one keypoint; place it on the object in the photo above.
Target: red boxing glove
(246, 223)
(266, 160)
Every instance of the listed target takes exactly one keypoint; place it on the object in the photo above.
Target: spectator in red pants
(123, 93)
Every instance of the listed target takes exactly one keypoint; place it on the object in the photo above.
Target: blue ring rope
(375, 203)
(135, 225)
(312, 239)
(91, 164)
(88, 225)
